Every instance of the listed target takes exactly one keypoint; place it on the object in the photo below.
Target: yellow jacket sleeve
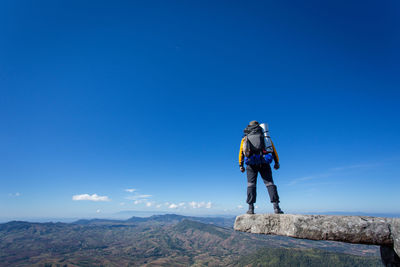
(241, 155)
(275, 154)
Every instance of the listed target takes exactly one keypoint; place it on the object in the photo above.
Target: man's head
(252, 123)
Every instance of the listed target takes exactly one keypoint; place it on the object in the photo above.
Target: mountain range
(160, 240)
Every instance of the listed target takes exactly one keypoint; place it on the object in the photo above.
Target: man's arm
(275, 157)
(241, 156)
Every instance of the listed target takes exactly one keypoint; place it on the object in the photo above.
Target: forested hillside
(168, 240)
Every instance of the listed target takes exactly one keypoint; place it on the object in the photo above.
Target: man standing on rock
(253, 152)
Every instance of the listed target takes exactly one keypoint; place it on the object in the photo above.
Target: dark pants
(266, 175)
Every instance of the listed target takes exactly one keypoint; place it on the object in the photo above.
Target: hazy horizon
(146, 214)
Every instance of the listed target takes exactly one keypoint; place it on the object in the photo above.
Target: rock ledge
(351, 229)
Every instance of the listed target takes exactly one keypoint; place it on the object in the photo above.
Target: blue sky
(114, 106)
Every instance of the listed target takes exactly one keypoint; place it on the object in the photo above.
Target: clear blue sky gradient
(102, 96)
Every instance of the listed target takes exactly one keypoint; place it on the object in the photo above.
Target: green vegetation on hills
(158, 241)
(305, 257)
(213, 230)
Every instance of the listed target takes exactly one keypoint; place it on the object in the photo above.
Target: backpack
(253, 144)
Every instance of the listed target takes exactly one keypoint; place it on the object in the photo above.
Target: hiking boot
(277, 209)
(251, 209)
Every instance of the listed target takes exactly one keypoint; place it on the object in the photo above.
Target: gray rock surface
(395, 231)
(350, 229)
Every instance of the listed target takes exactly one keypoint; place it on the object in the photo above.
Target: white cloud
(240, 207)
(130, 190)
(14, 194)
(98, 211)
(193, 204)
(196, 205)
(122, 203)
(170, 205)
(307, 178)
(357, 166)
(333, 172)
(93, 197)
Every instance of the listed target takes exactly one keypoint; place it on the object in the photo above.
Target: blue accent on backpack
(268, 158)
(258, 159)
